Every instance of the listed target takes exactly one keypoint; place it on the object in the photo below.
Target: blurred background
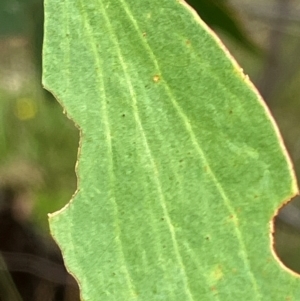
(38, 144)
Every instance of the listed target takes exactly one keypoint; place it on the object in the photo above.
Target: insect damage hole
(286, 235)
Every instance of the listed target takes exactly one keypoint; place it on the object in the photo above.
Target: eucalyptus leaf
(181, 167)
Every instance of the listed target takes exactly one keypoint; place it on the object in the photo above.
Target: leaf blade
(150, 156)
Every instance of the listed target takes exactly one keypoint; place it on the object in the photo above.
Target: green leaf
(181, 167)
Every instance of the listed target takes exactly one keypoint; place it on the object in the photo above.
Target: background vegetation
(38, 144)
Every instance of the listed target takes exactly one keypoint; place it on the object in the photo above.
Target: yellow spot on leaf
(216, 274)
(156, 78)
